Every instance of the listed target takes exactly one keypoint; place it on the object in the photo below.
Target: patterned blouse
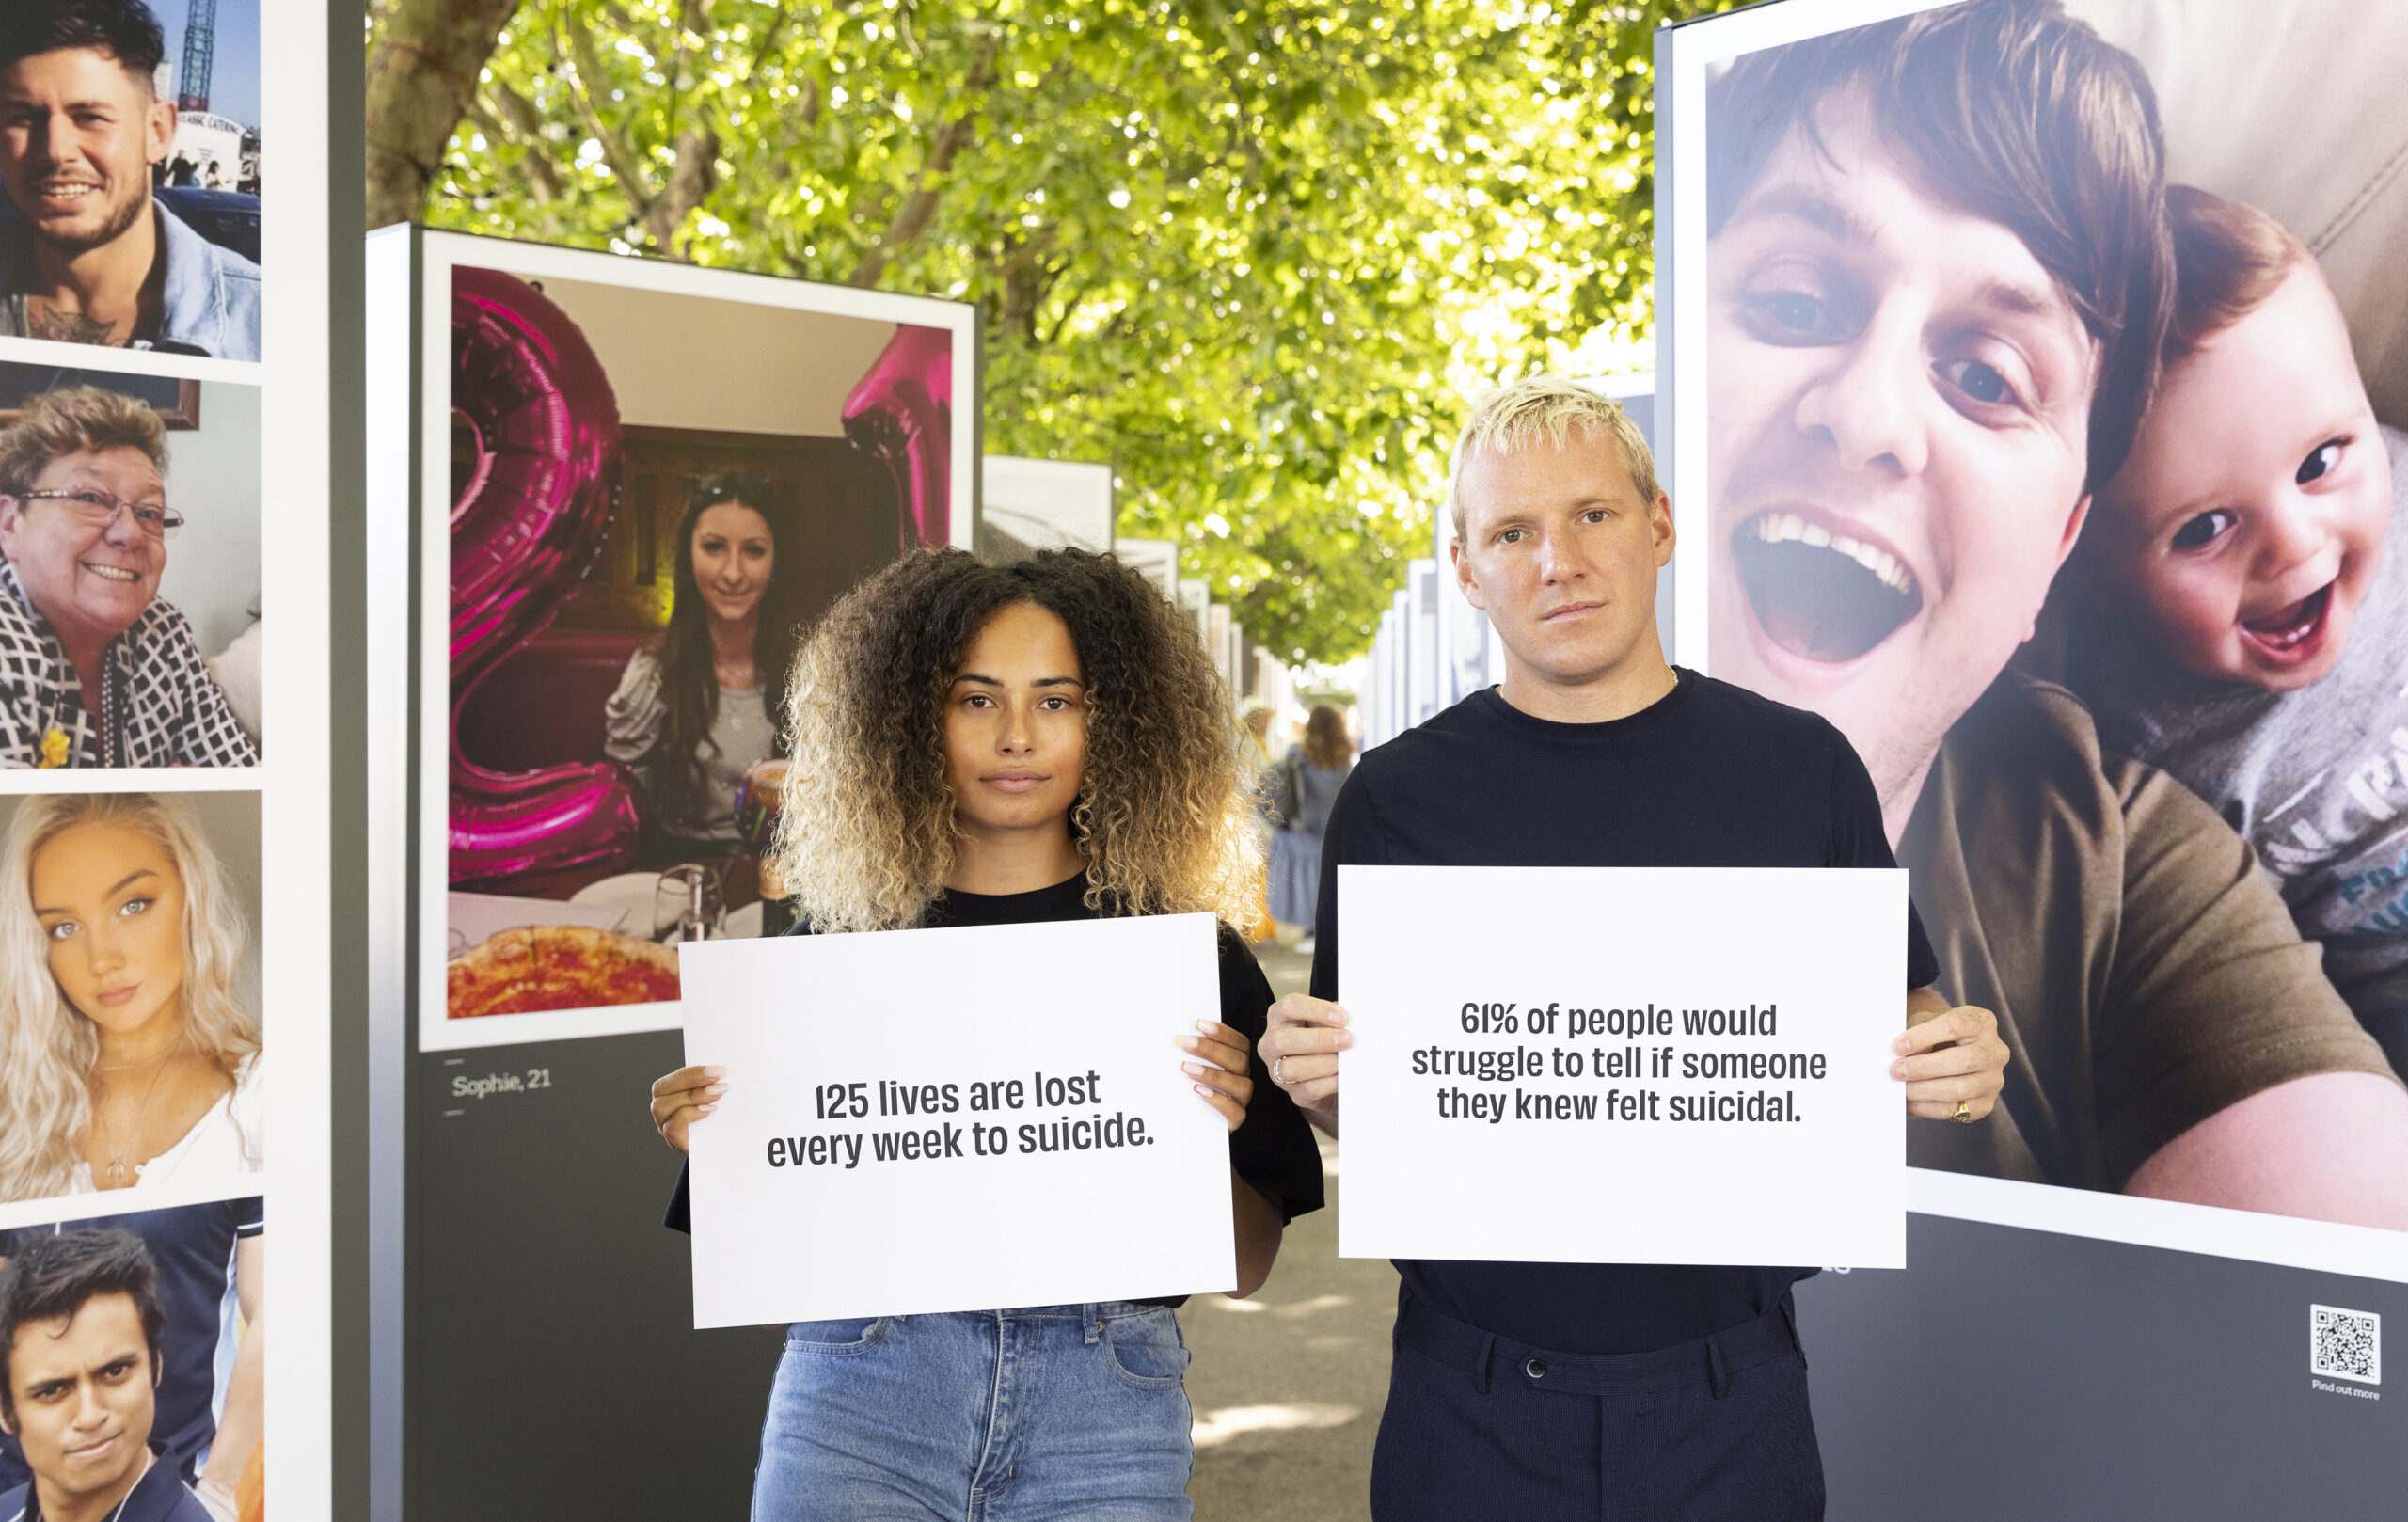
(159, 705)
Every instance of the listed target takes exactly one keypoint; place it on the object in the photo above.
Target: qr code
(2345, 1344)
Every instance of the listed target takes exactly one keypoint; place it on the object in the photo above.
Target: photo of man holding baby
(2002, 416)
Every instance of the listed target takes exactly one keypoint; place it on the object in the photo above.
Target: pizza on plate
(558, 967)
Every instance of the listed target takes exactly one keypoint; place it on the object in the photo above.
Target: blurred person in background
(1302, 787)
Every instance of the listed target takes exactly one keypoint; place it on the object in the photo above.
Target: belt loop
(1094, 1320)
(1479, 1366)
(1789, 1314)
(1715, 1369)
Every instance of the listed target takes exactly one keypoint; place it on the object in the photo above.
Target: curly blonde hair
(47, 1047)
(867, 833)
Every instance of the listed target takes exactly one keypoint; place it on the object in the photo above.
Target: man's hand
(1948, 1057)
(683, 1098)
(1301, 1043)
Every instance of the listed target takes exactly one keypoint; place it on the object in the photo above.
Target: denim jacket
(211, 301)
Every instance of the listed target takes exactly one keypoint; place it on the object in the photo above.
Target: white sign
(1618, 1064)
(928, 1120)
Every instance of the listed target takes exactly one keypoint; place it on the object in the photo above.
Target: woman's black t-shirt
(1274, 1148)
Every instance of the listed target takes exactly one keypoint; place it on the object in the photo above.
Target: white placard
(1094, 1170)
(1506, 1141)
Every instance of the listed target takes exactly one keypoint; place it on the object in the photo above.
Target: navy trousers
(1485, 1428)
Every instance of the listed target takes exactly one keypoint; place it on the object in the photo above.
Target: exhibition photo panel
(644, 484)
(2078, 531)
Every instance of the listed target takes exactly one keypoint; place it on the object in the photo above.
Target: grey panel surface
(2010, 1375)
(557, 1372)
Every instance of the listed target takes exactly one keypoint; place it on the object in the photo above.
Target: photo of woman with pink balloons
(652, 493)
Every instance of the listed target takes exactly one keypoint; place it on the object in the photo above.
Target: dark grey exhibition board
(2007, 1375)
(555, 1367)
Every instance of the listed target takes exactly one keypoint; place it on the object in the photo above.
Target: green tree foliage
(1256, 256)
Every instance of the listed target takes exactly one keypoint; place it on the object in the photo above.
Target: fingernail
(706, 1109)
(1190, 1042)
(1336, 1016)
(1902, 1046)
(1201, 1089)
(1193, 1069)
(1898, 1070)
(1343, 1040)
(714, 1072)
(716, 1089)
(1208, 1027)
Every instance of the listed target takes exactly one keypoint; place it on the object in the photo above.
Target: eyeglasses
(100, 509)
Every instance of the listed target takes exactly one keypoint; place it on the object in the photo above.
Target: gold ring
(1964, 1112)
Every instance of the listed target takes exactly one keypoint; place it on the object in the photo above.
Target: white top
(223, 1144)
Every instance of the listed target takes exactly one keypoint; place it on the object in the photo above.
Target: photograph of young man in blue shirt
(90, 256)
(1561, 1389)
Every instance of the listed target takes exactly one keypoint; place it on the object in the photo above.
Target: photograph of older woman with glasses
(96, 669)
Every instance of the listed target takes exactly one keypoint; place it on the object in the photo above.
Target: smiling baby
(2235, 618)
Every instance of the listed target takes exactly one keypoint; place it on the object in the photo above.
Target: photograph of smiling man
(82, 1349)
(1939, 275)
(111, 234)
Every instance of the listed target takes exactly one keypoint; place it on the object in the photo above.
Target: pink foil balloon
(525, 530)
(902, 414)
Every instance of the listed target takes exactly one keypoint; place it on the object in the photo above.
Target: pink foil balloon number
(525, 530)
(902, 414)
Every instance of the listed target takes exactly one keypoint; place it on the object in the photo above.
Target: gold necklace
(109, 1134)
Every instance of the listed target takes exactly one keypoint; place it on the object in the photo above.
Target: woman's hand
(1951, 1060)
(1303, 1038)
(683, 1098)
(1218, 1066)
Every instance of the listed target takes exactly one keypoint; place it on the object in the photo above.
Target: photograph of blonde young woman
(2039, 461)
(128, 1016)
(129, 591)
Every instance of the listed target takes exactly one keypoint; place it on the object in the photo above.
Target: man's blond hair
(1547, 409)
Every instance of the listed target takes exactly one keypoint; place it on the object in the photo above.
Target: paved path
(1287, 1385)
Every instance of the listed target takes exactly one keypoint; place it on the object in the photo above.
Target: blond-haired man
(95, 670)
(1546, 1390)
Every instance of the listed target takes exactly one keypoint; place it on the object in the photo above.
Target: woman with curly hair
(979, 744)
(130, 1061)
(693, 710)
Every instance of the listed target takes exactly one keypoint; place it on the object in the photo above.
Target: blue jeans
(987, 1416)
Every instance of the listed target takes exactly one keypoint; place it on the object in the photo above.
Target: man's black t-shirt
(1709, 775)
(1273, 1150)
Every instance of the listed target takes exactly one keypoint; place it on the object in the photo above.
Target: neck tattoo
(72, 326)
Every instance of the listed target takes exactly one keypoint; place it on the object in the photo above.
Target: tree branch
(517, 124)
(617, 152)
(919, 207)
(422, 75)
